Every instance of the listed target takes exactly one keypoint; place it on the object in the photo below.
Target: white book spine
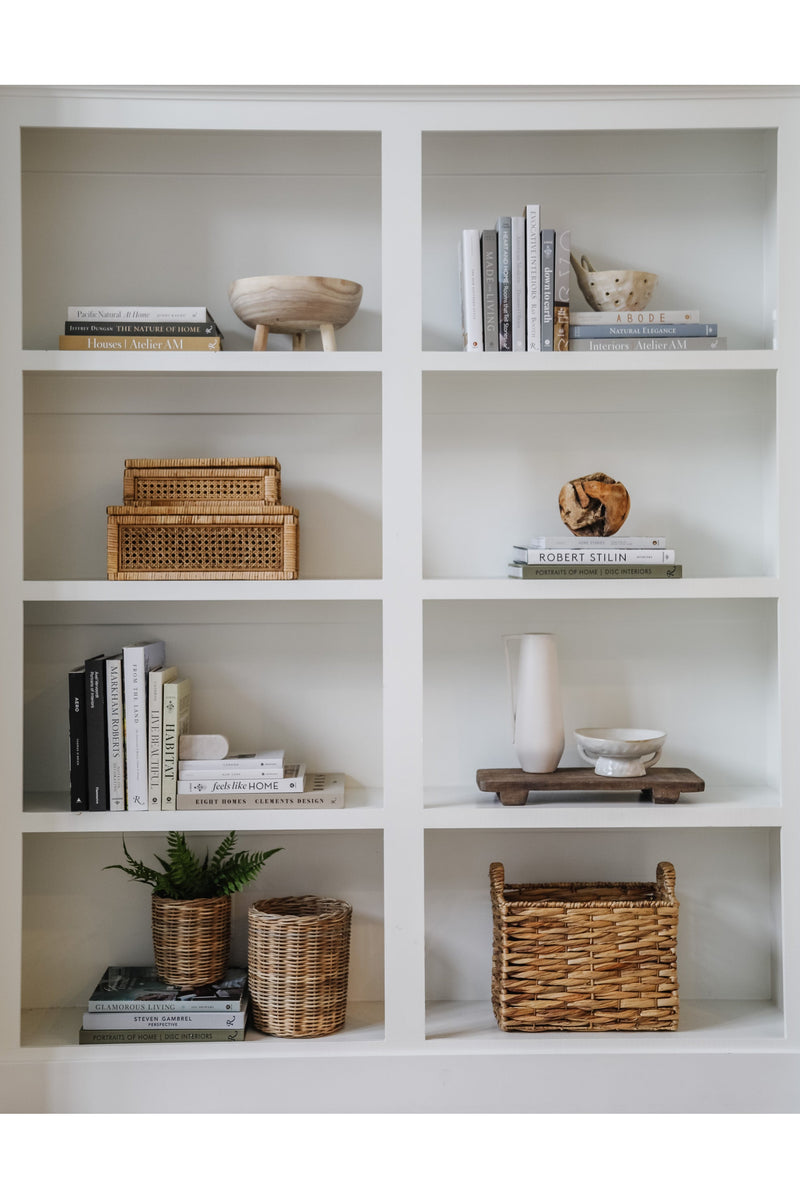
(137, 661)
(471, 289)
(116, 735)
(165, 1019)
(596, 557)
(594, 543)
(673, 316)
(296, 782)
(116, 313)
(177, 707)
(518, 286)
(263, 760)
(155, 721)
(533, 275)
(220, 773)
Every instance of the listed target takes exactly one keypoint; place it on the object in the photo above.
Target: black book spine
(78, 776)
(96, 734)
(144, 328)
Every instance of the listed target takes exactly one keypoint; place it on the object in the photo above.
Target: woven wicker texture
(585, 956)
(226, 540)
(299, 955)
(191, 939)
(156, 484)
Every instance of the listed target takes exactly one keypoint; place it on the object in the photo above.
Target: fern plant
(185, 876)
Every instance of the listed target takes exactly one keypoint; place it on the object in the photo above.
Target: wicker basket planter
(585, 956)
(191, 939)
(299, 956)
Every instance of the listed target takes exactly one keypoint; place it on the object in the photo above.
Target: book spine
(533, 275)
(157, 1006)
(96, 734)
(269, 762)
(687, 330)
(306, 799)
(78, 775)
(116, 735)
(200, 775)
(127, 1036)
(489, 281)
(471, 289)
(109, 313)
(674, 316)
(590, 557)
(120, 342)
(177, 704)
(504, 311)
(592, 543)
(244, 786)
(561, 309)
(519, 571)
(143, 328)
(518, 293)
(157, 1020)
(548, 286)
(155, 720)
(631, 344)
(137, 661)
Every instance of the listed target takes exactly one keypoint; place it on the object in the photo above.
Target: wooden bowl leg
(260, 339)
(298, 341)
(328, 337)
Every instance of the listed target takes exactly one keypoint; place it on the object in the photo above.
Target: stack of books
(132, 1005)
(128, 328)
(515, 285)
(631, 332)
(612, 557)
(257, 780)
(131, 746)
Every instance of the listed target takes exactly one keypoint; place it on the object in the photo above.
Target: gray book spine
(548, 286)
(504, 317)
(630, 345)
(489, 268)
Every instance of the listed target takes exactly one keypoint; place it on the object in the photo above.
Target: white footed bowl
(620, 752)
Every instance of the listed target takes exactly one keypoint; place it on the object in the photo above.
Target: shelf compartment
(671, 201)
(203, 207)
(632, 664)
(496, 452)
(78, 918)
(307, 678)
(728, 885)
(327, 437)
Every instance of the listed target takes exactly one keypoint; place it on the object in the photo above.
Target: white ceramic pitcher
(536, 713)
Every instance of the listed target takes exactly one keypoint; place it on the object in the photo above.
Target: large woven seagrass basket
(298, 967)
(585, 956)
(191, 939)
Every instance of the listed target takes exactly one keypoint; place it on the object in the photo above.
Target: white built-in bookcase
(415, 467)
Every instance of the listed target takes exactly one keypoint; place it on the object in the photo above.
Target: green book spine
(519, 570)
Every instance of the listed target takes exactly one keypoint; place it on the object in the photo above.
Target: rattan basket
(191, 939)
(152, 481)
(585, 956)
(203, 541)
(299, 956)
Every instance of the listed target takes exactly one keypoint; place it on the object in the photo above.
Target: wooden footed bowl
(612, 291)
(294, 304)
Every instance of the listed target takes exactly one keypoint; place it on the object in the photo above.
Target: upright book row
(131, 746)
(515, 285)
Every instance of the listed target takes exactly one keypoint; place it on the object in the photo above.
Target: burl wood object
(660, 785)
(295, 304)
(594, 505)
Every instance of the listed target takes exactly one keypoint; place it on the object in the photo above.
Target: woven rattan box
(152, 481)
(584, 957)
(203, 541)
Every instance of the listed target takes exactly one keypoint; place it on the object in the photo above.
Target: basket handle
(497, 879)
(665, 881)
